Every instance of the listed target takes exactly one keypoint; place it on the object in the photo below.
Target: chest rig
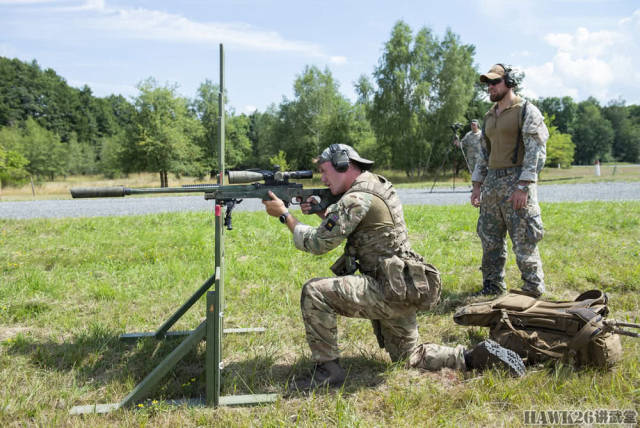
(382, 232)
(503, 135)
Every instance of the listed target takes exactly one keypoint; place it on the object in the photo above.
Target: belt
(503, 172)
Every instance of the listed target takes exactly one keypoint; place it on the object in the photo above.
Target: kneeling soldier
(394, 281)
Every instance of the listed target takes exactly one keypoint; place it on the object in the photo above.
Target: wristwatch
(522, 187)
(283, 217)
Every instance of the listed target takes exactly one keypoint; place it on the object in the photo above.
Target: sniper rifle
(274, 181)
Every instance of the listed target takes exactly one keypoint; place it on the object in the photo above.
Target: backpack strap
(590, 330)
(487, 145)
(525, 337)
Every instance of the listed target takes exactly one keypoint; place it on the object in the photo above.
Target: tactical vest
(381, 247)
(576, 332)
(504, 135)
(382, 232)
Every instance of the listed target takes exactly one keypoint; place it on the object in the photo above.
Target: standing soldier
(394, 281)
(504, 184)
(471, 145)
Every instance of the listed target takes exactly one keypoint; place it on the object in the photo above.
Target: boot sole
(501, 357)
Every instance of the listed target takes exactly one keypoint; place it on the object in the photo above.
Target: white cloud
(248, 109)
(603, 64)
(584, 43)
(562, 42)
(146, 24)
(551, 84)
(93, 5)
(632, 22)
(338, 60)
(22, 2)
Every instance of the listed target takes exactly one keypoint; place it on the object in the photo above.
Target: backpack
(575, 332)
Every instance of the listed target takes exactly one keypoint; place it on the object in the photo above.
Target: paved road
(137, 206)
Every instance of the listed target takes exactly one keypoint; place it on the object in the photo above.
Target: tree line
(402, 118)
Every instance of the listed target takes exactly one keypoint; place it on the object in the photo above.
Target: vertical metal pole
(212, 336)
(219, 260)
(215, 299)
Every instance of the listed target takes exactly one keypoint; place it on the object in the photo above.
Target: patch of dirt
(448, 378)
(9, 332)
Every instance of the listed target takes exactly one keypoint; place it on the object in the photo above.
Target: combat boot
(488, 354)
(489, 289)
(533, 291)
(327, 374)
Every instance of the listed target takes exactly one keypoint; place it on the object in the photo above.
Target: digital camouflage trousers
(524, 226)
(360, 296)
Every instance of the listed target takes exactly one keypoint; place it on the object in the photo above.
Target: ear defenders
(339, 158)
(508, 78)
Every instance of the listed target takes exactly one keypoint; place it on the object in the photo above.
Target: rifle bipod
(614, 327)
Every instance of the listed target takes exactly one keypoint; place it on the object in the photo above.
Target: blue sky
(579, 48)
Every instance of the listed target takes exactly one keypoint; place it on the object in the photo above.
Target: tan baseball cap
(497, 71)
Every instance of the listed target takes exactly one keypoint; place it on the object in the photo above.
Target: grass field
(59, 189)
(71, 286)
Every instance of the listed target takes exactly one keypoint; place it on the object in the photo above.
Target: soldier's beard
(497, 96)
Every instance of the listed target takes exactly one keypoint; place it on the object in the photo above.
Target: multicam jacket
(369, 215)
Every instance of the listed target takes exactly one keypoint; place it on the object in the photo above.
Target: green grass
(69, 287)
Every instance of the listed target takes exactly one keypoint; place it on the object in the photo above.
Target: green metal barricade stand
(211, 329)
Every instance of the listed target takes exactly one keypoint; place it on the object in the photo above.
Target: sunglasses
(494, 81)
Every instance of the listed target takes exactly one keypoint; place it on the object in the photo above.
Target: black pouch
(345, 265)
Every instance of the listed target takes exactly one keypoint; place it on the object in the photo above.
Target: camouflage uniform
(369, 215)
(470, 143)
(497, 216)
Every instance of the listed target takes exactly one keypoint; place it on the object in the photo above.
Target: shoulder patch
(332, 220)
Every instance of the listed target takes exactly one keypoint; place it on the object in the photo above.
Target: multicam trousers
(360, 296)
(497, 217)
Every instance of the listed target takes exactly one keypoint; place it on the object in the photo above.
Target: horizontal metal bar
(238, 400)
(94, 408)
(230, 400)
(132, 337)
(245, 330)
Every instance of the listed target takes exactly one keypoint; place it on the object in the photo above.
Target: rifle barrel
(120, 191)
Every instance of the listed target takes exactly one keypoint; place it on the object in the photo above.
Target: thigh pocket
(526, 226)
(424, 284)
(535, 228)
(391, 275)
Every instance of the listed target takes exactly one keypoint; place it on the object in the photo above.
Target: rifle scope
(237, 177)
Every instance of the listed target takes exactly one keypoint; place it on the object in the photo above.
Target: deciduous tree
(421, 86)
(161, 139)
(560, 147)
(593, 133)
